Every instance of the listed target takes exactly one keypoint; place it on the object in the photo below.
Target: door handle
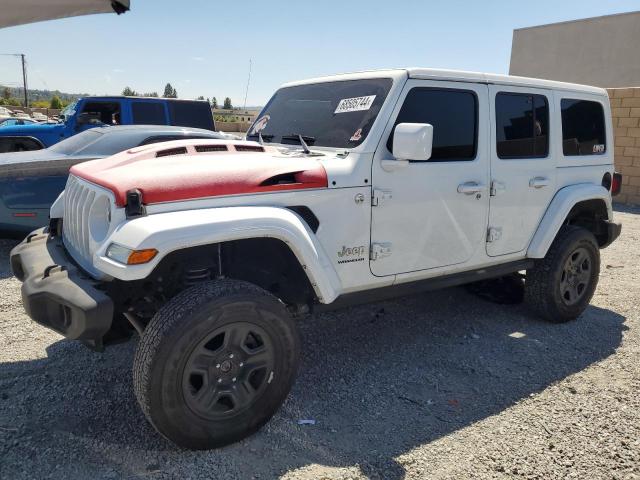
(538, 182)
(469, 188)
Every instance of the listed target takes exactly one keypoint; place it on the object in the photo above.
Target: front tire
(561, 285)
(215, 363)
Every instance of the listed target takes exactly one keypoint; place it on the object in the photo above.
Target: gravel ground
(439, 385)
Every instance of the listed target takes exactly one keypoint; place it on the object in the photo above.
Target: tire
(215, 363)
(560, 286)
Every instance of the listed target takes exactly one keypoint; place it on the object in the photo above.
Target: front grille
(78, 198)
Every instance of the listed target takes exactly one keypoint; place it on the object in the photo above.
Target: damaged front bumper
(57, 294)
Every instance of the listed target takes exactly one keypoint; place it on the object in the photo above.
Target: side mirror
(413, 141)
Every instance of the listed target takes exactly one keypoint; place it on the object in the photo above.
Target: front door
(433, 213)
(522, 165)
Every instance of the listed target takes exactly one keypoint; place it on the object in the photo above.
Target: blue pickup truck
(91, 112)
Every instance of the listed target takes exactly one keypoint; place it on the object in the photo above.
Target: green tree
(200, 98)
(150, 94)
(227, 104)
(214, 102)
(6, 93)
(170, 92)
(56, 103)
(129, 92)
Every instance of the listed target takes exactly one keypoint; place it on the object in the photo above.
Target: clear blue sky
(203, 46)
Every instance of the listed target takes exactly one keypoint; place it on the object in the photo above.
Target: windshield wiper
(304, 140)
(259, 136)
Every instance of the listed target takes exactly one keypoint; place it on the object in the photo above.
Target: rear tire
(215, 363)
(560, 286)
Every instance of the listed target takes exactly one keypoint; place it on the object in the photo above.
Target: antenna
(246, 92)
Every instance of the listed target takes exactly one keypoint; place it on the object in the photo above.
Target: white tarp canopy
(18, 12)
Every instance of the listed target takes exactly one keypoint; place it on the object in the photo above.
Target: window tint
(191, 114)
(102, 112)
(148, 113)
(454, 116)
(31, 192)
(583, 131)
(169, 138)
(19, 144)
(522, 125)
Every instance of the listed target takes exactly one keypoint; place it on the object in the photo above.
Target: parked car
(92, 112)
(5, 113)
(360, 187)
(13, 121)
(40, 117)
(31, 181)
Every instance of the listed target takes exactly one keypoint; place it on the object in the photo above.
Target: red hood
(164, 177)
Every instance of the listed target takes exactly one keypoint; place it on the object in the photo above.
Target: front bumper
(57, 294)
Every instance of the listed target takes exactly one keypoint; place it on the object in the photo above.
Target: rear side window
(148, 113)
(522, 125)
(583, 131)
(19, 144)
(31, 192)
(191, 114)
(168, 138)
(454, 116)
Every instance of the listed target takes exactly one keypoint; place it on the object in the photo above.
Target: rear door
(523, 165)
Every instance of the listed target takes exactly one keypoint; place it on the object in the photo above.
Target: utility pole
(24, 74)
(24, 80)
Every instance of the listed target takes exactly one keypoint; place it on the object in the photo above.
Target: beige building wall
(601, 51)
(625, 111)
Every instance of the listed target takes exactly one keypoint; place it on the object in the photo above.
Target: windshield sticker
(356, 136)
(598, 148)
(260, 124)
(355, 104)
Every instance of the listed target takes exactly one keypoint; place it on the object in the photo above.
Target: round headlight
(99, 219)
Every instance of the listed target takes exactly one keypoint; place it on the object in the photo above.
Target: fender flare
(168, 232)
(557, 212)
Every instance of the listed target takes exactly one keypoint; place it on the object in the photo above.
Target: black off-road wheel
(215, 363)
(561, 285)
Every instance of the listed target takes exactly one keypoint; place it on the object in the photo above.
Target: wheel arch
(585, 205)
(257, 235)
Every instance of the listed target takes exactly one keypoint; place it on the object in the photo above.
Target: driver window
(454, 116)
(103, 112)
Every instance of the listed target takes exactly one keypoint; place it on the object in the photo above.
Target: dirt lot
(439, 385)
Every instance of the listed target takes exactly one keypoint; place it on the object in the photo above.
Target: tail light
(616, 184)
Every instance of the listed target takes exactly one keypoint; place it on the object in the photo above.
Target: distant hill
(36, 95)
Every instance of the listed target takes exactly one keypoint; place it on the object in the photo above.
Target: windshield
(69, 110)
(332, 114)
(73, 145)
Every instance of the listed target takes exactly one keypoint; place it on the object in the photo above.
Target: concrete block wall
(625, 110)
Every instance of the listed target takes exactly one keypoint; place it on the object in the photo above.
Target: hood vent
(211, 148)
(248, 148)
(172, 151)
(282, 179)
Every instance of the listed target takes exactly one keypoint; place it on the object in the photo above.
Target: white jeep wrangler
(350, 188)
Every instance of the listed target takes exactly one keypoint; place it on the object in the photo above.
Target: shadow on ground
(379, 380)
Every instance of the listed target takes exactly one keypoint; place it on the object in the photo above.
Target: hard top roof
(458, 76)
